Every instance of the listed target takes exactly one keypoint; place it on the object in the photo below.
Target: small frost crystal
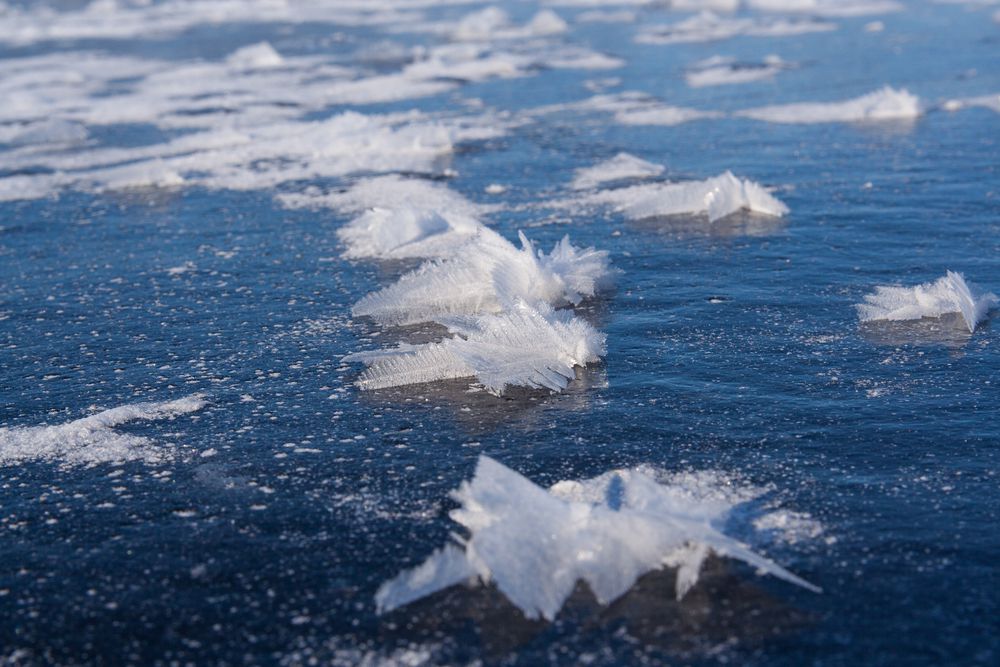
(524, 345)
(950, 294)
(536, 544)
(472, 280)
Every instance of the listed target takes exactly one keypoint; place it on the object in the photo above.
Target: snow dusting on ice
(721, 70)
(93, 440)
(949, 294)
(536, 544)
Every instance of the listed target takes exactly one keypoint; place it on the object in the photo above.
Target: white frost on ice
(93, 440)
(715, 197)
(621, 167)
(524, 345)
(884, 104)
(949, 294)
(536, 544)
(707, 26)
(484, 275)
(720, 70)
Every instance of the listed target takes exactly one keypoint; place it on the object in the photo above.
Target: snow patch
(93, 440)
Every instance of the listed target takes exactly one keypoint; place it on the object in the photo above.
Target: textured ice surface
(949, 294)
(93, 440)
(715, 197)
(536, 544)
(524, 345)
(707, 27)
(621, 167)
(719, 70)
(884, 104)
(484, 274)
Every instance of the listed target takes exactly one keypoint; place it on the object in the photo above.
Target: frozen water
(523, 345)
(536, 544)
(949, 294)
(93, 440)
(881, 105)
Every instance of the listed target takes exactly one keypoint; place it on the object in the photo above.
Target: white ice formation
(707, 26)
(483, 275)
(715, 197)
(93, 440)
(536, 544)
(880, 105)
(398, 218)
(720, 70)
(949, 294)
(496, 299)
(619, 168)
(523, 345)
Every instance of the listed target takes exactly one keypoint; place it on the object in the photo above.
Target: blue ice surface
(735, 349)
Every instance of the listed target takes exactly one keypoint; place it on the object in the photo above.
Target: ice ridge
(536, 544)
(949, 294)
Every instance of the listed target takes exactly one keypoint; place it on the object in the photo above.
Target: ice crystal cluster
(535, 544)
(948, 294)
(497, 301)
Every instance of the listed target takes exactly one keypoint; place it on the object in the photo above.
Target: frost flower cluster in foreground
(495, 299)
(949, 294)
(536, 544)
(93, 440)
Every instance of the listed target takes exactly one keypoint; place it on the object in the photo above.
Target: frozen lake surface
(195, 194)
